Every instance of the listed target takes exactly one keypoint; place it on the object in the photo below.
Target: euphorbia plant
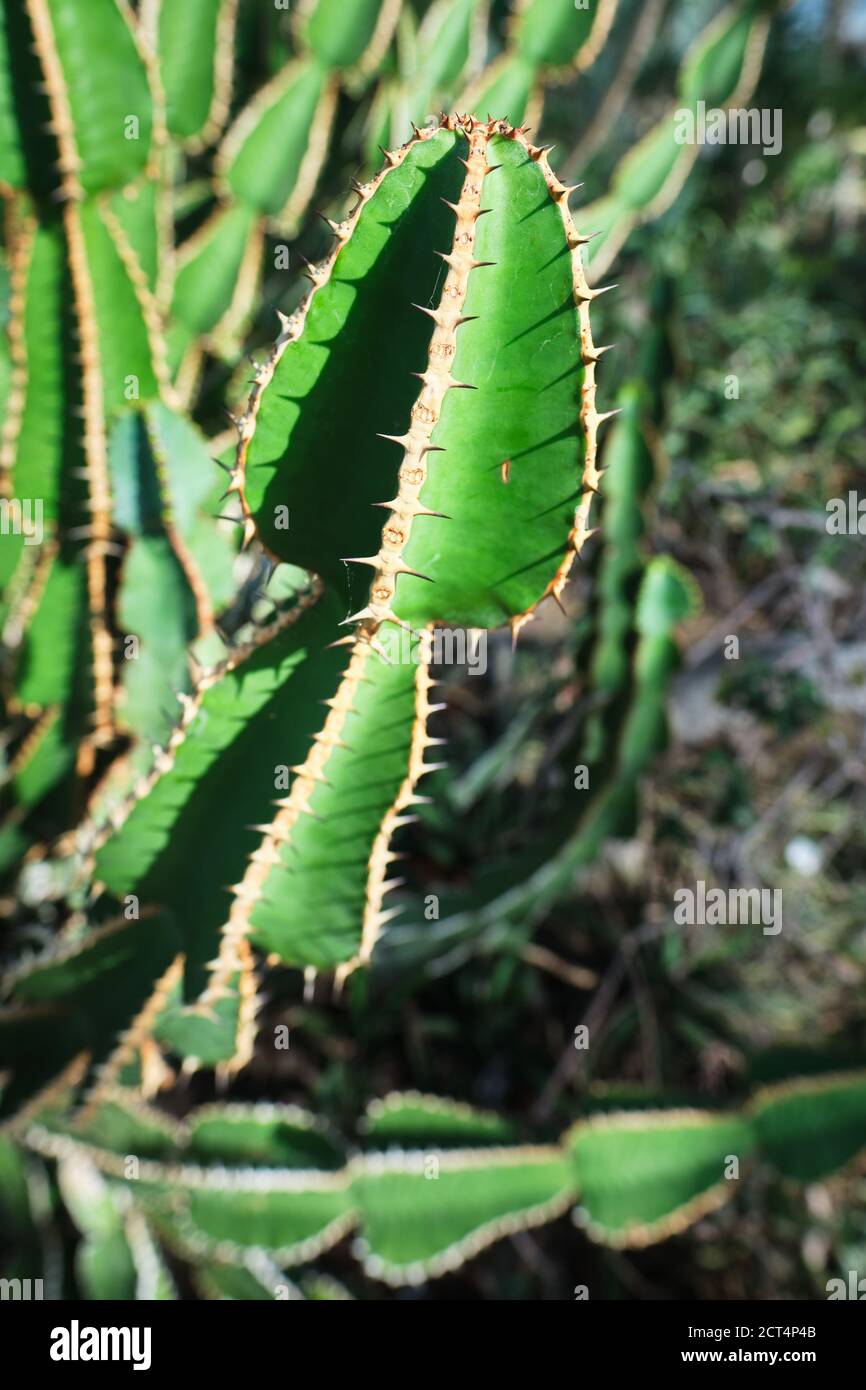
(459, 268)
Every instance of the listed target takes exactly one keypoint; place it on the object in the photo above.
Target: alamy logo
(20, 1289)
(846, 516)
(22, 516)
(855, 1288)
(717, 907)
(441, 646)
(701, 126)
(76, 1343)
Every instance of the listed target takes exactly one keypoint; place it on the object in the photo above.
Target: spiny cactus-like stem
(134, 1039)
(381, 855)
(632, 1177)
(96, 451)
(291, 329)
(21, 252)
(248, 892)
(92, 838)
(437, 379)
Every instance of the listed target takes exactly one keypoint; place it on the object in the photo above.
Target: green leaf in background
(810, 1128)
(137, 216)
(558, 33)
(347, 36)
(98, 89)
(271, 158)
(116, 1118)
(291, 1215)
(218, 271)
(450, 45)
(178, 566)
(721, 68)
(254, 1186)
(194, 44)
(79, 997)
(643, 1177)
(117, 1258)
(721, 56)
(271, 1136)
(12, 166)
(126, 353)
(627, 475)
(412, 1120)
(425, 1214)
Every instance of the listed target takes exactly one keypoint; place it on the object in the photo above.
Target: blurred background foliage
(740, 312)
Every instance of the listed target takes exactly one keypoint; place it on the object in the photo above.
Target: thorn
(236, 520)
(388, 157)
(426, 511)
(417, 508)
(358, 617)
(224, 466)
(348, 641)
(557, 598)
(453, 206)
(416, 574)
(599, 352)
(383, 917)
(608, 415)
(577, 239)
(594, 294)
(314, 776)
